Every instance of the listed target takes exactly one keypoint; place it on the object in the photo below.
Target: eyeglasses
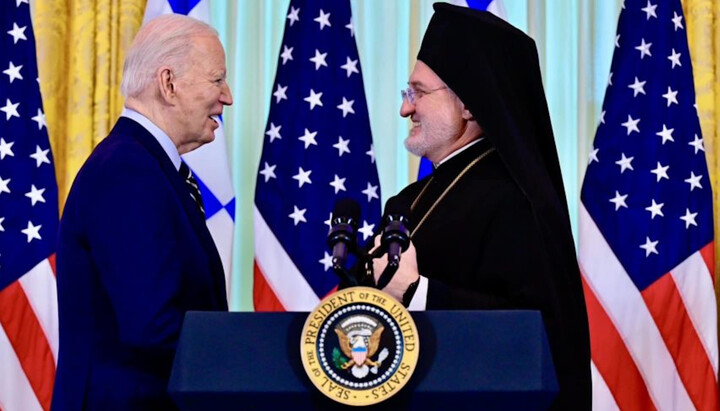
(412, 95)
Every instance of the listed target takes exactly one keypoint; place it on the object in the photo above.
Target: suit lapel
(197, 220)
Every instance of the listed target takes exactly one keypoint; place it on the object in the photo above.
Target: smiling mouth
(216, 119)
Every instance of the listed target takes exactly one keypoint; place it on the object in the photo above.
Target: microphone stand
(345, 276)
(387, 273)
(361, 278)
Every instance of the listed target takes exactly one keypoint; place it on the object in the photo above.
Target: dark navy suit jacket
(133, 256)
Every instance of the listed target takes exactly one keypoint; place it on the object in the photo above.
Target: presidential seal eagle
(359, 338)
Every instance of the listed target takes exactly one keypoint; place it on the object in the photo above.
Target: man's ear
(166, 82)
(466, 114)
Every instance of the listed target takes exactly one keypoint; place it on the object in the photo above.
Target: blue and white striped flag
(209, 163)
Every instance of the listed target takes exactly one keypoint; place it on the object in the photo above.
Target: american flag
(28, 223)
(317, 149)
(209, 163)
(646, 225)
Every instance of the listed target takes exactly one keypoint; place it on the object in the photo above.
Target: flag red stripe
(667, 308)
(708, 254)
(613, 360)
(51, 260)
(264, 298)
(29, 341)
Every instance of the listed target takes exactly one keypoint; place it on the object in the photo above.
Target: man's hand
(406, 274)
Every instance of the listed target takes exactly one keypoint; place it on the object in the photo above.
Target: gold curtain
(81, 47)
(703, 28)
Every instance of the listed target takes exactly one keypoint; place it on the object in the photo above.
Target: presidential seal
(359, 346)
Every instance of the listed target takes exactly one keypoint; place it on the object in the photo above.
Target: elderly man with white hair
(134, 253)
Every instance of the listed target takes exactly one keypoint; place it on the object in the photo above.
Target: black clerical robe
(481, 248)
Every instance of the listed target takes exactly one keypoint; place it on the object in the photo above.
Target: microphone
(395, 237)
(343, 231)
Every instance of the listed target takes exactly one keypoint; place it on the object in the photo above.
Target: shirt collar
(458, 151)
(161, 137)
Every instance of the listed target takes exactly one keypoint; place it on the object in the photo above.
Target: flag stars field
(593, 155)
(314, 99)
(319, 59)
(650, 246)
(666, 134)
(323, 19)
(308, 138)
(655, 209)
(17, 33)
(40, 156)
(13, 72)
(302, 177)
(39, 119)
(625, 163)
(298, 215)
(366, 230)
(10, 109)
(4, 185)
(274, 132)
(619, 200)
(286, 54)
(697, 144)
(694, 181)
(689, 218)
(342, 146)
(35, 195)
(32, 231)
(650, 10)
(338, 184)
(6, 148)
(638, 87)
(674, 58)
(268, 171)
(671, 96)
(631, 125)
(661, 171)
(326, 261)
(350, 66)
(644, 49)
(280, 93)
(294, 15)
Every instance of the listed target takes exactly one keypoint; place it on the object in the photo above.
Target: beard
(429, 138)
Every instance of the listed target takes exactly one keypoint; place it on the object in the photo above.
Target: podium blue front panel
(479, 360)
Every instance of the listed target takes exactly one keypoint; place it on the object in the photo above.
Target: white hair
(163, 41)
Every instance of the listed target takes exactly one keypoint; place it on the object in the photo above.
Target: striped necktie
(192, 185)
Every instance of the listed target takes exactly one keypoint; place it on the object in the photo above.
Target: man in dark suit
(490, 226)
(134, 253)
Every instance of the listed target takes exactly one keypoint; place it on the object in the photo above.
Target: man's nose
(226, 95)
(406, 108)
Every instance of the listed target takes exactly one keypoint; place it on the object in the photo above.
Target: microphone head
(344, 223)
(395, 220)
(396, 206)
(346, 209)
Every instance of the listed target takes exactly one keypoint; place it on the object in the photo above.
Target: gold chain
(459, 176)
